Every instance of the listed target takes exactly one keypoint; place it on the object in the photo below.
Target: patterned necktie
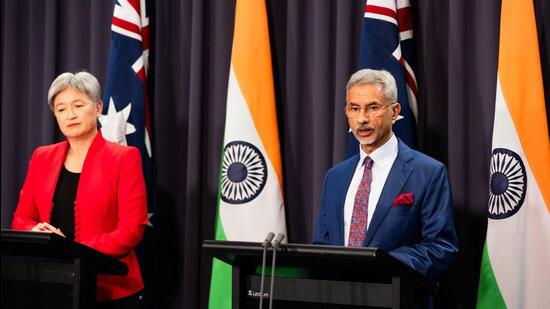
(358, 227)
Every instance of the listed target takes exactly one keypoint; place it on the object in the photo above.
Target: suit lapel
(347, 174)
(399, 173)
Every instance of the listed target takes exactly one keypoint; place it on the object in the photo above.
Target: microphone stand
(265, 244)
(275, 244)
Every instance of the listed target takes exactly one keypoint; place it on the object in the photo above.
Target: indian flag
(515, 268)
(250, 200)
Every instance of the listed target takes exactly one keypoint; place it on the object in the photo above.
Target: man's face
(372, 127)
(76, 114)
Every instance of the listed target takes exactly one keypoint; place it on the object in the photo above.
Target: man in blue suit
(388, 196)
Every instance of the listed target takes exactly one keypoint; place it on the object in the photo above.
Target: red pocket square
(403, 199)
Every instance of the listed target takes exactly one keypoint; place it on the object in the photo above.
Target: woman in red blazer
(87, 189)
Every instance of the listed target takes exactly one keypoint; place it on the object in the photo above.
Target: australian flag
(387, 43)
(125, 118)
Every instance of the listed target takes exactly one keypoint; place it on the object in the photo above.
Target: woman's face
(76, 114)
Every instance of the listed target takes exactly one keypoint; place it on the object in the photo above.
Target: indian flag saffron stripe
(250, 199)
(515, 268)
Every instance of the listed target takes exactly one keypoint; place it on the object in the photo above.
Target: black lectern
(322, 276)
(45, 270)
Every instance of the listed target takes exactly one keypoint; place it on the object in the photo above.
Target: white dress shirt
(383, 158)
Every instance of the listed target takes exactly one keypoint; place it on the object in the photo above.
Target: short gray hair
(382, 78)
(81, 81)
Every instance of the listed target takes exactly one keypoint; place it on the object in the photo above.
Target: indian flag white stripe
(253, 220)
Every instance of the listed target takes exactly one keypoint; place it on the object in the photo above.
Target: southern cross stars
(115, 125)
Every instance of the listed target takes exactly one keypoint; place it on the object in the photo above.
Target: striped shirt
(383, 158)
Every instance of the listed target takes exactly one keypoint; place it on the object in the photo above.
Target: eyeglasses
(372, 110)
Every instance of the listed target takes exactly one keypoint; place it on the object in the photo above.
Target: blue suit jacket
(421, 235)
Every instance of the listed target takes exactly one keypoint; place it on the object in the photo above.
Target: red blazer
(110, 207)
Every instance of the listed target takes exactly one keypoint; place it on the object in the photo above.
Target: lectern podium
(45, 270)
(321, 276)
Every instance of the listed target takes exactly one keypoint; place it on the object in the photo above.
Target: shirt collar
(381, 154)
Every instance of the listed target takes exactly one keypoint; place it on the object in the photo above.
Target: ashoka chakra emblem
(244, 173)
(507, 185)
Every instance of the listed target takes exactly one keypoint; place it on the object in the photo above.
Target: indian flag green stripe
(221, 284)
(489, 294)
(220, 281)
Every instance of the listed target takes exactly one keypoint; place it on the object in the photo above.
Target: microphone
(268, 239)
(275, 245)
(265, 244)
(278, 240)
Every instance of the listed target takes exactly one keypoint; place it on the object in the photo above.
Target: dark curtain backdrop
(315, 48)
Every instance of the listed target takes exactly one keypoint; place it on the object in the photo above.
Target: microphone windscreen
(268, 239)
(278, 239)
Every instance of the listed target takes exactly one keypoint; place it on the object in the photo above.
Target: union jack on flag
(387, 43)
(125, 119)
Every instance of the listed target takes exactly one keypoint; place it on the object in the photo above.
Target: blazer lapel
(347, 174)
(57, 161)
(397, 178)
